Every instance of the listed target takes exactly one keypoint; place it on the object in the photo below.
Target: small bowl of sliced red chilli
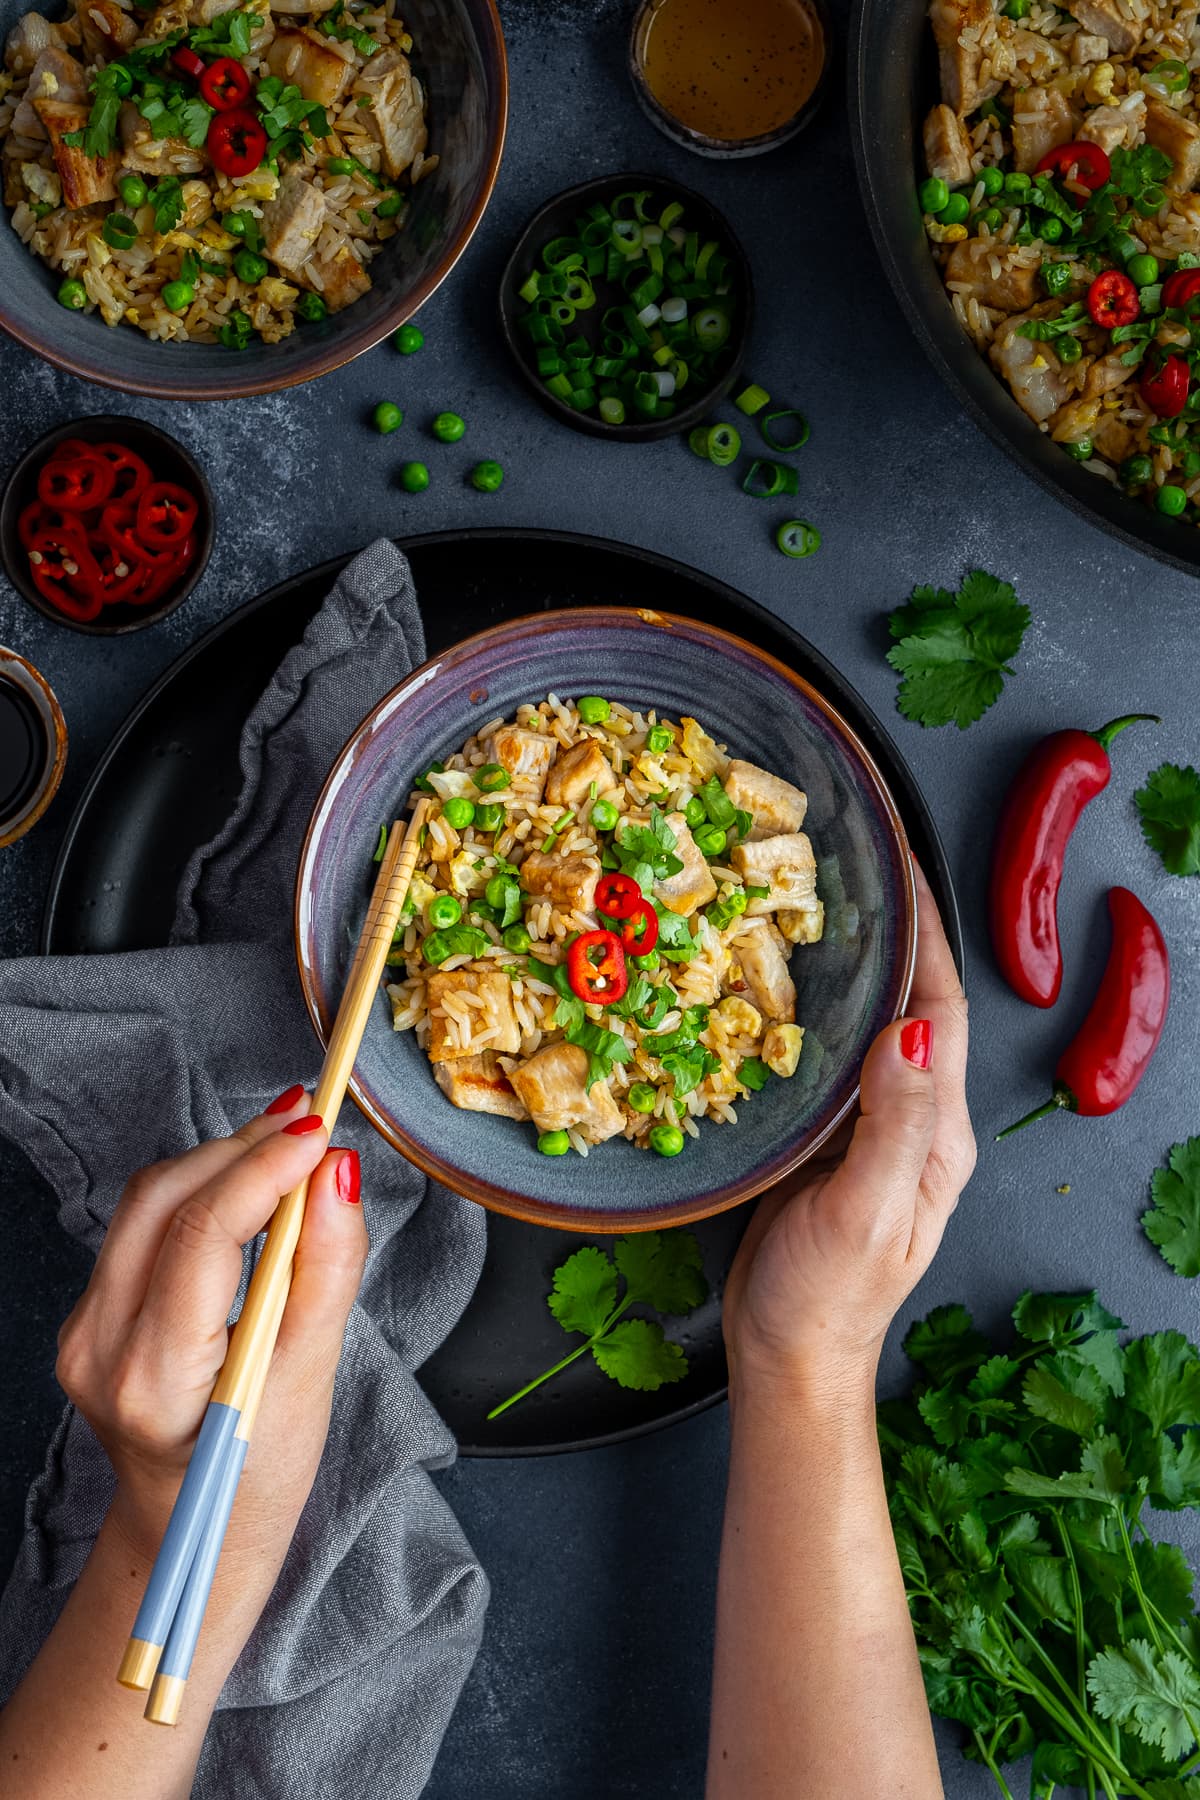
(106, 524)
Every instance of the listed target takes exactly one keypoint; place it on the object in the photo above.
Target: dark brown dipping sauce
(732, 69)
(24, 749)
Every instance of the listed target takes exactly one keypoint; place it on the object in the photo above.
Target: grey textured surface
(593, 1678)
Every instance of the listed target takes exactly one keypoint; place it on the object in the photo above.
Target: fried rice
(544, 805)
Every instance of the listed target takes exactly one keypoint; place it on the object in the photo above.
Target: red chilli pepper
(225, 84)
(236, 142)
(596, 967)
(165, 516)
(131, 476)
(66, 574)
(618, 896)
(1082, 162)
(188, 61)
(1165, 390)
(639, 930)
(78, 483)
(1062, 774)
(1112, 300)
(1102, 1066)
(1181, 287)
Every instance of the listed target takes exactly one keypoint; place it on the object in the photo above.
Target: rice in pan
(552, 838)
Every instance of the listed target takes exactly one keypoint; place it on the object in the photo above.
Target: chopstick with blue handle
(230, 1411)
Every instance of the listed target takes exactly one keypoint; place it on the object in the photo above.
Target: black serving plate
(893, 84)
(170, 778)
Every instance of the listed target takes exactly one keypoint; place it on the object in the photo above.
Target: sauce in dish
(24, 750)
(731, 72)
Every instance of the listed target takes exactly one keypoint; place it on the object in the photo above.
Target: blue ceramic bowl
(851, 985)
(459, 57)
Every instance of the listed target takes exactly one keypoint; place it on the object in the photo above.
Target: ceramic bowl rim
(341, 348)
(58, 763)
(503, 1199)
(628, 433)
(124, 426)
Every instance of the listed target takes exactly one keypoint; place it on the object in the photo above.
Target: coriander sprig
(954, 650)
(660, 1269)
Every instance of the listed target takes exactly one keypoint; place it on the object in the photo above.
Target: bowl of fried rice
(662, 906)
(211, 198)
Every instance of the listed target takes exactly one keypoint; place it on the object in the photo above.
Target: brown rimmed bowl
(167, 460)
(459, 58)
(851, 985)
(43, 720)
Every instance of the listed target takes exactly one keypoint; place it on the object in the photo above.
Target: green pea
(1142, 270)
(1081, 449)
(647, 963)
(311, 307)
(133, 190)
(487, 477)
(236, 222)
(408, 340)
(1068, 348)
(1136, 471)
(459, 812)
(72, 295)
(666, 1139)
(1017, 184)
(390, 205)
(554, 1143)
(642, 1097)
(1017, 9)
(517, 939)
(340, 165)
(414, 477)
(387, 417)
(444, 911)
(993, 218)
(594, 710)
(1056, 276)
(955, 210)
(932, 195)
(710, 840)
(658, 739)
(489, 816)
(992, 179)
(498, 889)
(1171, 501)
(436, 948)
(236, 330)
(249, 268)
(177, 296)
(1049, 229)
(447, 428)
(604, 815)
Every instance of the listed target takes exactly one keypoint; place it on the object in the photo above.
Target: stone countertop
(594, 1675)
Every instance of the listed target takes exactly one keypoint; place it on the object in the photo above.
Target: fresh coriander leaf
(1041, 1581)
(570, 1013)
(1173, 1221)
(1061, 1319)
(1065, 324)
(1166, 1578)
(1169, 805)
(166, 197)
(990, 1380)
(945, 1342)
(1175, 1477)
(585, 1291)
(1148, 1694)
(604, 1048)
(648, 847)
(229, 31)
(1162, 1379)
(465, 940)
(1133, 171)
(1047, 196)
(193, 120)
(1050, 1391)
(662, 1269)
(675, 940)
(753, 1073)
(637, 1355)
(932, 1491)
(953, 659)
(1054, 1765)
(688, 1068)
(947, 1414)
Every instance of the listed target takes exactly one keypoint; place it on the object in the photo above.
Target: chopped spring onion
(674, 310)
(711, 327)
(560, 825)
(666, 383)
(381, 846)
(794, 437)
(798, 538)
(766, 480)
(612, 410)
(649, 315)
(751, 400)
(724, 442)
(1169, 77)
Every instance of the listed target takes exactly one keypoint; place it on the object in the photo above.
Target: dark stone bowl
(459, 56)
(851, 985)
(167, 460)
(556, 219)
(893, 84)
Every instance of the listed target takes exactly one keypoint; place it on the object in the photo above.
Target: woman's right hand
(140, 1352)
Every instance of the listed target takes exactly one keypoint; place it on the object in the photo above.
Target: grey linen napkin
(109, 1062)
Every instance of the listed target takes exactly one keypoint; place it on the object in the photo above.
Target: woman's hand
(140, 1352)
(829, 1257)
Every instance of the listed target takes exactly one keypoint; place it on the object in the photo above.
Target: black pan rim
(324, 573)
(1004, 419)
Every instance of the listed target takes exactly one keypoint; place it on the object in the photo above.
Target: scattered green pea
(554, 1143)
(1069, 348)
(487, 477)
(1081, 449)
(666, 1139)
(932, 195)
(408, 340)
(658, 739)
(516, 939)
(1142, 270)
(710, 840)
(1136, 471)
(249, 268)
(389, 206)
(311, 307)
(1049, 229)
(387, 417)
(1170, 500)
(956, 210)
(694, 813)
(1017, 184)
(177, 296)
(488, 815)
(340, 165)
(448, 428)
(133, 190)
(414, 477)
(992, 179)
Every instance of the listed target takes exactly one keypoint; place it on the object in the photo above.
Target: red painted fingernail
(916, 1043)
(286, 1100)
(310, 1122)
(348, 1178)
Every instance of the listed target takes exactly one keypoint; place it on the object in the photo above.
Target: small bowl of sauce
(730, 77)
(33, 746)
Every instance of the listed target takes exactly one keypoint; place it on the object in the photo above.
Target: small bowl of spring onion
(627, 305)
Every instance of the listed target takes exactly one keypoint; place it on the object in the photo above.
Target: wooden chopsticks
(159, 1653)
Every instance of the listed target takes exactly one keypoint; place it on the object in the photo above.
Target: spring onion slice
(796, 537)
(1169, 77)
(766, 480)
(612, 410)
(751, 400)
(724, 443)
(795, 440)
